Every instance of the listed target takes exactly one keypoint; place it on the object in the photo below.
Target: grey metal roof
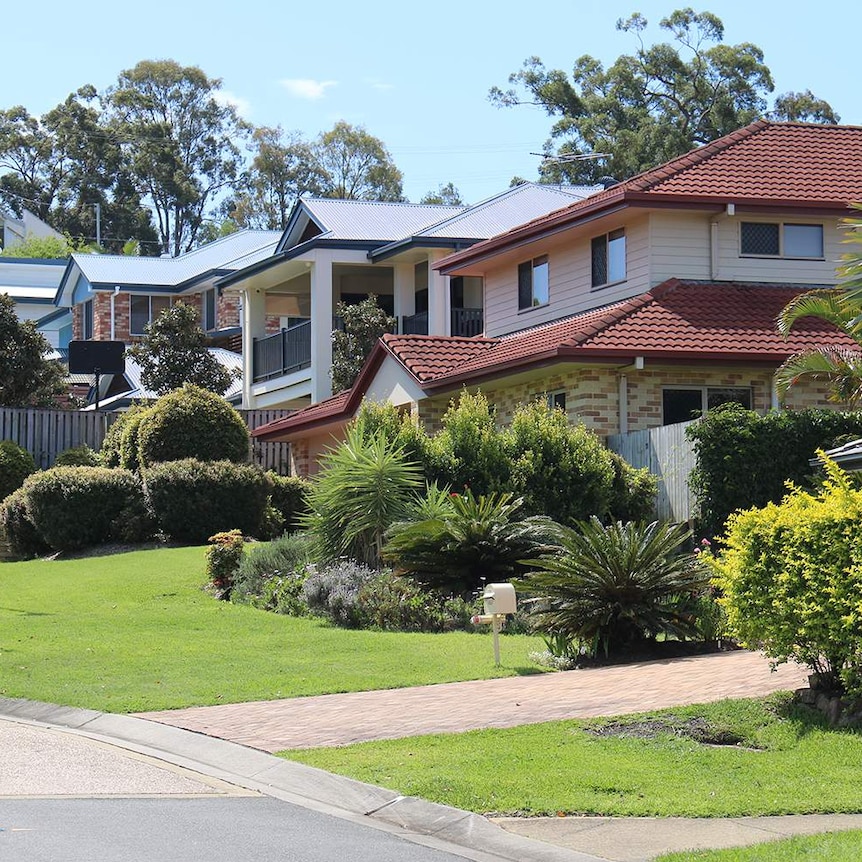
(509, 209)
(228, 253)
(848, 456)
(376, 221)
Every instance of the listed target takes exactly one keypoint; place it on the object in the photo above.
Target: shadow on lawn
(24, 613)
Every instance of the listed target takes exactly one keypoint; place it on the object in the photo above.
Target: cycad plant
(474, 539)
(363, 487)
(614, 586)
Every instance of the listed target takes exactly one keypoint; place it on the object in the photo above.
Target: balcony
(467, 322)
(283, 353)
(415, 324)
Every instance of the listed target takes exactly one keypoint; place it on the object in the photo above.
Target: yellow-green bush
(791, 575)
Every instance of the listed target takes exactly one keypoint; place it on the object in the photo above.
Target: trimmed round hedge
(189, 423)
(16, 464)
(76, 507)
(192, 500)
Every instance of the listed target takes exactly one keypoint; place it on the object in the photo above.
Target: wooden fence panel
(669, 455)
(47, 433)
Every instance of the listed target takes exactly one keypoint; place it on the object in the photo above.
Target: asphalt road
(245, 829)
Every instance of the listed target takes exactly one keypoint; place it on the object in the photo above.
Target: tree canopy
(655, 104)
(27, 377)
(363, 323)
(174, 352)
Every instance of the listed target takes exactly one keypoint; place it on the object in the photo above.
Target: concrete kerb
(455, 831)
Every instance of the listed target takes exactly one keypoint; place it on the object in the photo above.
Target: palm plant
(839, 366)
(364, 486)
(474, 539)
(617, 585)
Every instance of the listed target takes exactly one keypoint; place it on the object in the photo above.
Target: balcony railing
(415, 324)
(467, 322)
(287, 351)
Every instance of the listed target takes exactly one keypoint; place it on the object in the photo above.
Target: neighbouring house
(14, 230)
(343, 250)
(32, 283)
(113, 297)
(643, 304)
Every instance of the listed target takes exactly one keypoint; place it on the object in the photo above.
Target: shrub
(745, 460)
(633, 492)
(76, 507)
(110, 451)
(192, 423)
(78, 456)
(289, 497)
(363, 487)
(398, 428)
(791, 574)
(24, 541)
(223, 560)
(192, 500)
(130, 448)
(271, 575)
(16, 464)
(333, 592)
(479, 539)
(561, 470)
(615, 586)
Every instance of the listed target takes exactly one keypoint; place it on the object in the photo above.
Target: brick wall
(227, 311)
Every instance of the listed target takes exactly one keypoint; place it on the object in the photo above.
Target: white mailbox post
(499, 600)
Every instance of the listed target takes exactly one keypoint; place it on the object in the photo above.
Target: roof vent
(607, 182)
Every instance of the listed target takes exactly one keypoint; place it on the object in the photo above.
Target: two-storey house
(641, 305)
(336, 251)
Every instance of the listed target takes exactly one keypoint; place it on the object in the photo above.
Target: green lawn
(135, 631)
(789, 762)
(831, 847)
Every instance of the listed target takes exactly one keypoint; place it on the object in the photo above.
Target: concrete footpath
(83, 752)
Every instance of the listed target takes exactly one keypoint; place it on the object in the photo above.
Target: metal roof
(379, 221)
(228, 253)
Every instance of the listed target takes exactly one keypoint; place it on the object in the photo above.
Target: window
(609, 258)
(208, 315)
(533, 285)
(771, 239)
(556, 400)
(144, 310)
(681, 403)
(87, 320)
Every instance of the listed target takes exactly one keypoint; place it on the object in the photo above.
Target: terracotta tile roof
(427, 357)
(764, 163)
(677, 321)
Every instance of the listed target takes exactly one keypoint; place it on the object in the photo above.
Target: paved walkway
(340, 719)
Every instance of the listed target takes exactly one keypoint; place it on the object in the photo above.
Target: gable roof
(232, 252)
(807, 166)
(676, 322)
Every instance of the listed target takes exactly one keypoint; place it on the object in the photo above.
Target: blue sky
(415, 75)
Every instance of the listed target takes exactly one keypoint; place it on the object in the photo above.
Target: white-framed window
(608, 253)
(683, 403)
(87, 320)
(208, 310)
(781, 239)
(144, 309)
(533, 283)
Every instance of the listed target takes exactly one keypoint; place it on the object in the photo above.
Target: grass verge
(135, 631)
(831, 847)
(785, 761)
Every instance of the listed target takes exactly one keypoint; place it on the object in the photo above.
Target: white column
(404, 291)
(253, 326)
(321, 328)
(439, 317)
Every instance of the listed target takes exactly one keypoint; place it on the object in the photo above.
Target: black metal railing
(415, 324)
(287, 351)
(467, 322)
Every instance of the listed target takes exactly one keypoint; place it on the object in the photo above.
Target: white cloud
(307, 88)
(377, 84)
(242, 106)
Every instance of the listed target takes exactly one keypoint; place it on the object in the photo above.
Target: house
(32, 283)
(643, 304)
(113, 297)
(14, 230)
(343, 250)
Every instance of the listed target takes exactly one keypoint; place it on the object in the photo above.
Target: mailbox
(499, 599)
